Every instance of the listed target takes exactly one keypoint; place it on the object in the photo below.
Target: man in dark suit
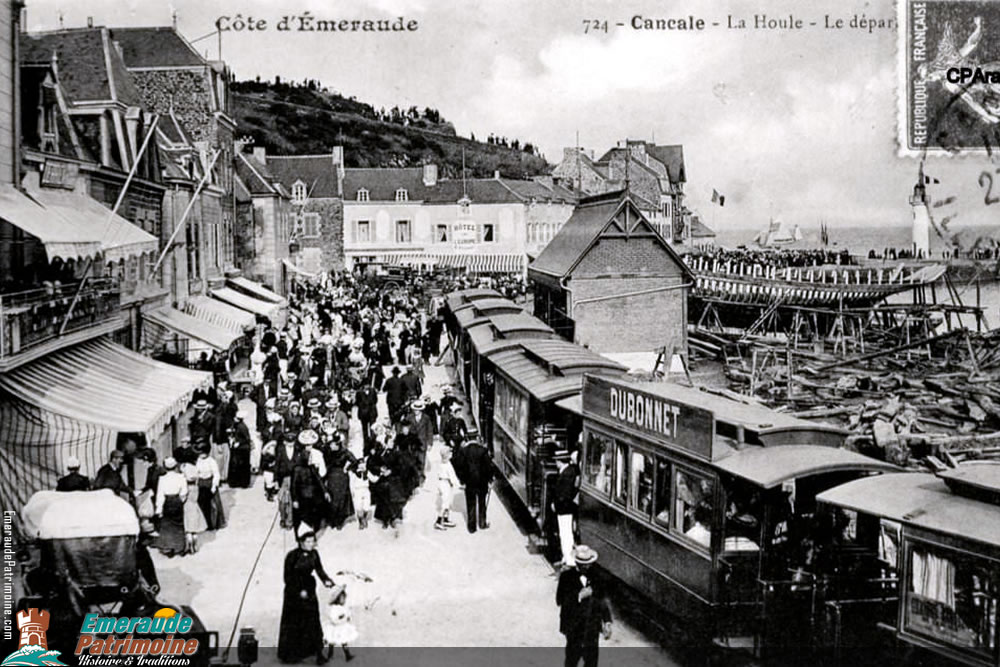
(564, 502)
(475, 469)
(367, 401)
(109, 476)
(583, 610)
(73, 481)
(395, 395)
(411, 384)
(284, 456)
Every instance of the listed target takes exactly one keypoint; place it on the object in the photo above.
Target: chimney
(90, 21)
(496, 175)
(260, 154)
(338, 160)
(430, 175)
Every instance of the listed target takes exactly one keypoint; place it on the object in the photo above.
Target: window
(693, 509)
(441, 233)
(363, 234)
(488, 236)
(299, 192)
(621, 473)
(310, 224)
(666, 209)
(403, 231)
(597, 464)
(953, 597)
(362, 195)
(661, 508)
(511, 409)
(640, 493)
(402, 195)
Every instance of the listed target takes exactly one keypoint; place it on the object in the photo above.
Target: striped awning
(200, 331)
(254, 289)
(220, 314)
(247, 303)
(103, 383)
(473, 263)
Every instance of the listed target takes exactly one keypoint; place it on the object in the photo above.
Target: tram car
(913, 560)
(705, 505)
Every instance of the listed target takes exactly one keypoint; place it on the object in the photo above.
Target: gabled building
(315, 185)
(271, 217)
(610, 281)
(653, 174)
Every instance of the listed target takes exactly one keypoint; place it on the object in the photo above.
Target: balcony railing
(33, 317)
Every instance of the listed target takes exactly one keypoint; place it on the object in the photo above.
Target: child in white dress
(338, 630)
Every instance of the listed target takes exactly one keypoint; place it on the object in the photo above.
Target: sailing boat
(776, 235)
(824, 233)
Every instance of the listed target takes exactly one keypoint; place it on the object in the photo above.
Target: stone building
(653, 174)
(271, 217)
(192, 96)
(315, 184)
(610, 281)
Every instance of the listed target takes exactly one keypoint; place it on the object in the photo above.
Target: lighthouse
(921, 229)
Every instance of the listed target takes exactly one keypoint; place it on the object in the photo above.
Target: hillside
(307, 119)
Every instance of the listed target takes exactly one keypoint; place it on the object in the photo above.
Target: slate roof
(382, 183)
(318, 172)
(160, 46)
(541, 191)
(83, 57)
(671, 157)
(575, 237)
(699, 230)
(479, 190)
(255, 176)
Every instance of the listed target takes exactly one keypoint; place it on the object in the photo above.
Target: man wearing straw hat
(73, 480)
(584, 613)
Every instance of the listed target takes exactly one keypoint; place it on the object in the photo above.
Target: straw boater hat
(170, 463)
(561, 455)
(584, 555)
(304, 531)
(308, 437)
(313, 403)
(284, 393)
(332, 403)
(201, 404)
(419, 405)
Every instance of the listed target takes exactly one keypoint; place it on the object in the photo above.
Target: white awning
(220, 313)
(254, 289)
(212, 335)
(247, 303)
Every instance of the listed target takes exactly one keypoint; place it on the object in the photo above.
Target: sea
(861, 240)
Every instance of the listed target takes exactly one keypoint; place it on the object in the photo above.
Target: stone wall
(330, 241)
(188, 92)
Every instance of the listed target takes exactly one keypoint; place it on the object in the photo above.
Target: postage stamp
(949, 76)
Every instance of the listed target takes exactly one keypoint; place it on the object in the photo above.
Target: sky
(796, 125)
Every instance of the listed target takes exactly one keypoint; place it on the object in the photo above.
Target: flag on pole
(928, 180)
(717, 198)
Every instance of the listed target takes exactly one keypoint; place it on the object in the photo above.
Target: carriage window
(663, 486)
(621, 473)
(640, 494)
(693, 509)
(597, 471)
(953, 597)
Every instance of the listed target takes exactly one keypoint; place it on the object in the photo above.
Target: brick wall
(641, 323)
(625, 257)
(330, 242)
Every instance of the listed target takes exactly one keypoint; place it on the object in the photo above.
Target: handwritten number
(986, 181)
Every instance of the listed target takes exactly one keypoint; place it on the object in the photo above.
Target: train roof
(461, 297)
(551, 369)
(921, 500)
(485, 341)
(768, 467)
(516, 322)
(757, 418)
(504, 332)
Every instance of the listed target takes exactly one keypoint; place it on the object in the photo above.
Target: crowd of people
(779, 258)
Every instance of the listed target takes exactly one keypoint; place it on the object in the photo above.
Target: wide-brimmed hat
(304, 531)
(584, 555)
(561, 455)
(284, 392)
(201, 404)
(332, 403)
(308, 437)
(313, 403)
(419, 405)
(169, 463)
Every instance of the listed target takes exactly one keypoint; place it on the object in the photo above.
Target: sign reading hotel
(464, 235)
(678, 425)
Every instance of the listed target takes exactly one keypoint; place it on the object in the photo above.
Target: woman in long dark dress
(308, 493)
(239, 454)
(170, 498)
(338, 484)
(300, 634)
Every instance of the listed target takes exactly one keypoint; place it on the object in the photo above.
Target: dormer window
(298, 192)
(402, 195)
(362, 195)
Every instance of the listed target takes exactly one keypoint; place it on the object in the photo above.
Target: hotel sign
(465, 235)
(677, 425)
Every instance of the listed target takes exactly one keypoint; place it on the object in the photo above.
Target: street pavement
(428, 588)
